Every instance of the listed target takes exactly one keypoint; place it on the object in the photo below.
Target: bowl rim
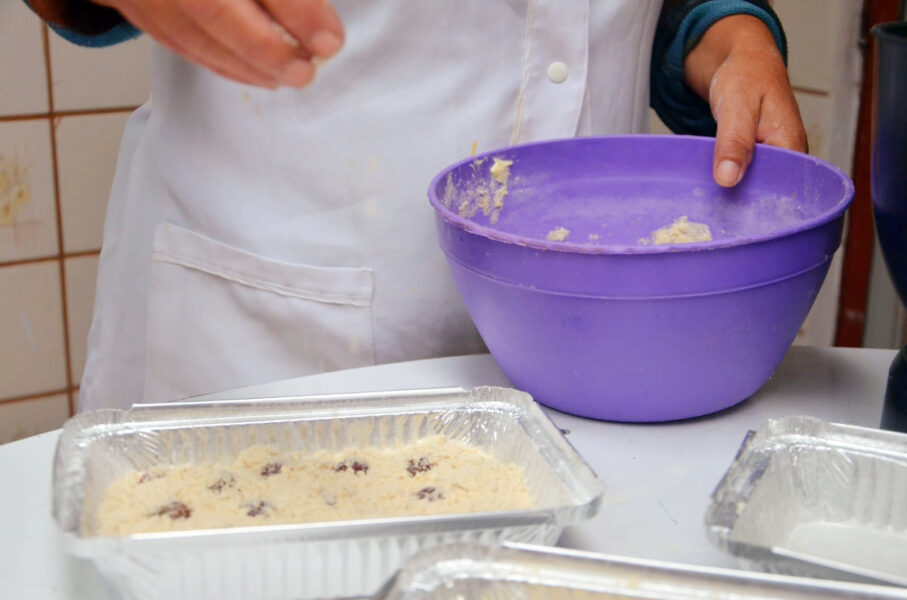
(493, 234)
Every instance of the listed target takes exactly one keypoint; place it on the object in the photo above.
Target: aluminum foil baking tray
(522, 572)
(812, 498)
(344, 558)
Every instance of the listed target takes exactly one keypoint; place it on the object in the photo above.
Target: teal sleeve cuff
(678, 106)
(117, 35)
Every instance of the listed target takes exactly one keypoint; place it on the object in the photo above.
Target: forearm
(721, 71)
(681, 26)
(736, 33)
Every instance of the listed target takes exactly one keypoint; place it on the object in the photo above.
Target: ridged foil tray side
(527, 572)
(811, 498)
(315, 559)
(319, 569)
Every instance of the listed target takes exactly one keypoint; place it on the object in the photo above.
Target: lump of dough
(487, 196)
(500, 170)
(558, 234)
(681, 231)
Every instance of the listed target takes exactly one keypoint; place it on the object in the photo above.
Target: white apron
(253, 236)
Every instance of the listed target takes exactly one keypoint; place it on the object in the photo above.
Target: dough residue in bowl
(487, 196)
(558, 234)
(681, 231)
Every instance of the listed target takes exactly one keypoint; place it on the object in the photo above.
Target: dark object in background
(894, 411)
(889, 188)
(889, 165)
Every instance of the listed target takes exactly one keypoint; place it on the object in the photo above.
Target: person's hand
(267, 43)
(737, 67)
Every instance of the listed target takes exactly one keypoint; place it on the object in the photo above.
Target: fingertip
(298, 74)
(728, 173)
(325, 43)
(313, 23)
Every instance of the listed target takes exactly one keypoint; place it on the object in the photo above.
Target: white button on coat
(557, 72)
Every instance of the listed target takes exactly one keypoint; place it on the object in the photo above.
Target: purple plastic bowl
(600, 325)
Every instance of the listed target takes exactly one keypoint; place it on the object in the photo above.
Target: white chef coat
(255, 235)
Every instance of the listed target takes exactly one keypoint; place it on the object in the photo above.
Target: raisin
(227, 480)
(174, 510)
(358, 467)
(258, 508)
(429, 493)
(149, 476)
(271, 469)
(420, 466)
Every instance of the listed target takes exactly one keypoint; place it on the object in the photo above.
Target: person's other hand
(737, 67)
(267, 43)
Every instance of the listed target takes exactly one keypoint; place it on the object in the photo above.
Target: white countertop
(658, 478)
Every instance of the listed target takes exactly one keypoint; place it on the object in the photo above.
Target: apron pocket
(220, 317)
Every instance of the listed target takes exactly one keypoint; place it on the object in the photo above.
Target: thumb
(734, 141)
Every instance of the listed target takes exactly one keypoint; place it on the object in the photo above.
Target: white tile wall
(81, 275)
(32, 355)
(35, 269)
(824, 65)
(93, 78)
(37, 415)
(28, 217)
(810, 39)
(23, 78)
(87, 148)
(655, 124)
(815, 110)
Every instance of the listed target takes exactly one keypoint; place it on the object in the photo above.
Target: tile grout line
(23, 117)
(67, 391)
(27, 261)
(810, 91)
(41, 259)
(59, 210)
(68, 113)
